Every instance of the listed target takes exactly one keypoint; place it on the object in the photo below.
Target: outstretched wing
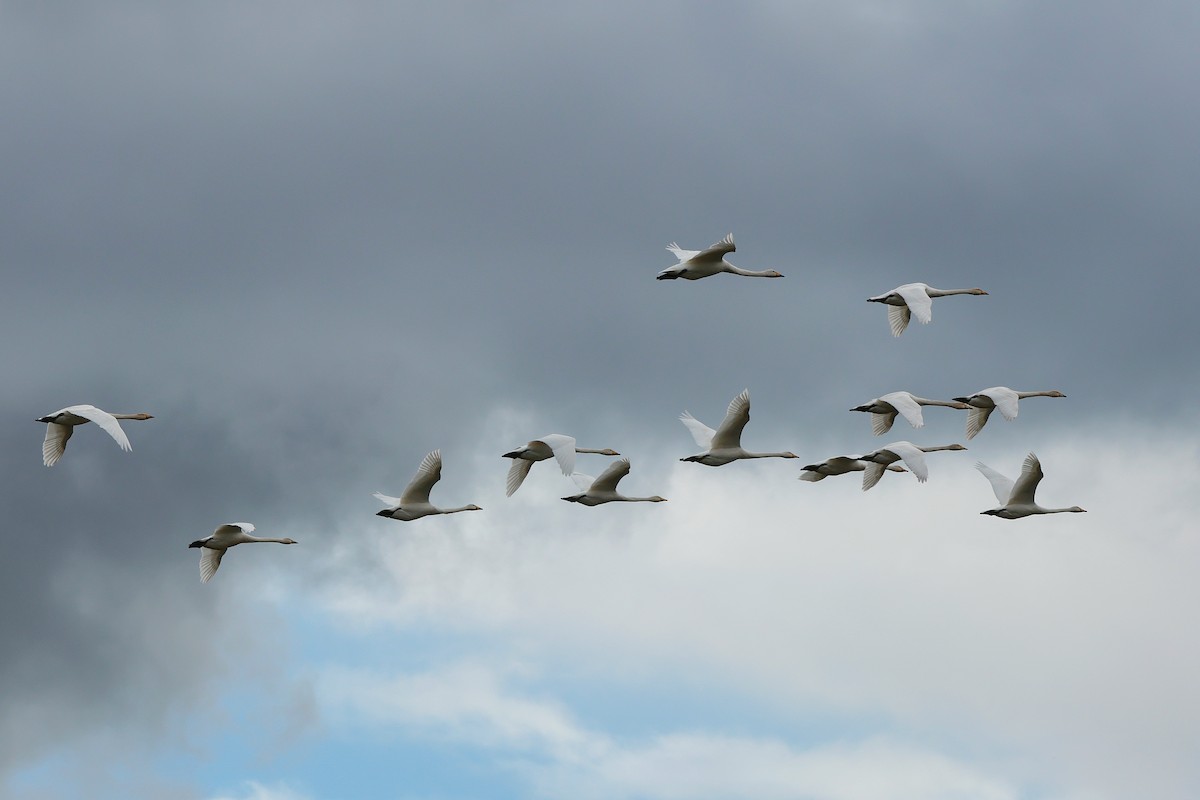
(516, 476)
(387, 499)
(106, 421)
(736, 417)
(976, 419)
(429, 473)
(700, 432)
(1005, 400)
(608, 480)
(907, 406)
(810, 475)
(584, 482)
(898, 317)
(717, 250)
(872, 474)
(209, 561)
(914, 458)
(1026, 485)
(55, 443)
(563, 447)
(1001, 485)
(681, 254)
(918, 300)
(882, 423)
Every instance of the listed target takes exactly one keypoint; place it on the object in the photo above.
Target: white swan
(912, 455)
(556, 445)
(725, 443)
(883, 410)
(839, 465)
(597, 491)
(223, 538)
(913, 299)
(696, 264)
(1016, 499)
(414, 502)
(998, 397)
(61, 424)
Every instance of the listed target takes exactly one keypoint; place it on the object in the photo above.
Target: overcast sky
(318, 241)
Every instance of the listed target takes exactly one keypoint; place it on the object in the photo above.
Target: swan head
(142, 415)
(773, 274)
(955, 447)
(608, 451)
(657, 499)
(472, 507)
(288, 541)
(976, 291)
(788, 454)
(1077, 510)
(1055, 393)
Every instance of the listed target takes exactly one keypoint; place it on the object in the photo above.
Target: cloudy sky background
(319, 241)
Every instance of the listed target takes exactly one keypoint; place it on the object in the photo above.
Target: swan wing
(1001, 485)
(736, 417)
(918, 300)
(681, 254)
(608, 480)
(872, 474)
(584, 482)
(976, 419)
(210, 559)
(55, 443)
(700, 432)
(429, 473)
(810, 475)
(1026, 485)
(882, 423)
(388, 500)
(1005, 400)
(232, 528)
(563, 447)
(907, 406)
(516, 476)
(717, 250)
(898, 317)
(913, 457)
(106, 421)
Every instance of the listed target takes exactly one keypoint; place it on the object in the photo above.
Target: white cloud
(467, 703)
(1049, 638)
(252, 790)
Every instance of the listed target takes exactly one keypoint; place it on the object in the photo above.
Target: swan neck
(764, 273)
(946, 292)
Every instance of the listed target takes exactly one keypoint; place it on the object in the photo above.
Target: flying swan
(1016, 499)
(883, 410)
(725, 443)
(839, 465)
(696, 264)
(912, 456)
(227, 536)
(913, 299)
(414, 502)
(597, 491)
(61, 424)
(556, 445)
(998, 397)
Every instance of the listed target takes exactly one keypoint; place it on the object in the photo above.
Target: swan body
(597, 491)
(61, 424)
(1016, 498)
(913, 300)
(557, 446)
(414, 502)
(226, 536)
(912, 455)
(1001, 398)
(839, 465)
(696, 264)
(883, 410)
(725, 443)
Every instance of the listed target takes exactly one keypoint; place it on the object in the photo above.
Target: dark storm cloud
(318, 242)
